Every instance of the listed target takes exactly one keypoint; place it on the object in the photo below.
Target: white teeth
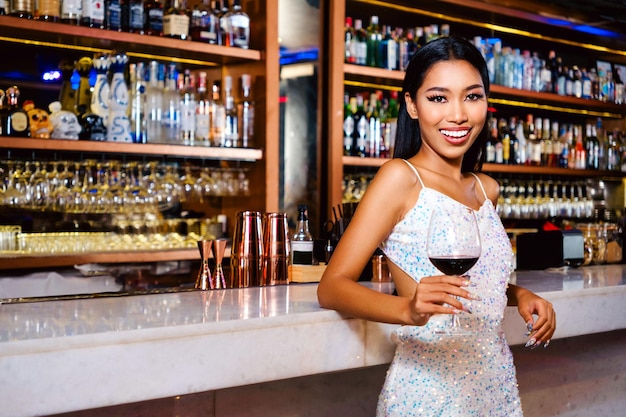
(455, 133)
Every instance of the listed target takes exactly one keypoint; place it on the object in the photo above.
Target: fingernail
(473, 296)
(529, 326)
(530, 342)
(545, 345)
(536, 345)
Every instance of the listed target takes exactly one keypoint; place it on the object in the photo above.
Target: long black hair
(408, 138)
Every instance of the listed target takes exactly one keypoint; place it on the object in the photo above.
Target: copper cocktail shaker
(247, 250)
(276, 249)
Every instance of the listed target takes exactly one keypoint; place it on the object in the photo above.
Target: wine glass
(453, 246)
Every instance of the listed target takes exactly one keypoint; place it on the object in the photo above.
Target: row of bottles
(392, 48)
(544, 142)
(370, 124)
(139, 103)
(215, 22)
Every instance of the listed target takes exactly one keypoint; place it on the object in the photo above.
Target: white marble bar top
(60, 356)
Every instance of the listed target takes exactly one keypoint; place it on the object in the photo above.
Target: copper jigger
(247, 250)
(219, 281)
(203, 280)
(276, 249)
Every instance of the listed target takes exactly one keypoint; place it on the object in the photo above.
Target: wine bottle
(361, 127)
(348, 125)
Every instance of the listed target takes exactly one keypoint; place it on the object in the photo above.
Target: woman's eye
(437, 99)
(474, 97)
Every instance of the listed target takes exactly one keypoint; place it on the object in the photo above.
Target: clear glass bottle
(217, 117)
(154, 102)
(16, 122)
(245, 110)
(187, 109)
(203, 104)
(238, 27)
(176, 20)
(138, 129)
(302, 240)
(231, 124)
(171, 107)
(93, 15)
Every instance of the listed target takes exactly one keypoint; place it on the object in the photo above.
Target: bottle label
(136, 16)
(94, 10)
(176, 25)
(19, 121)
(155, 19)
(47, 8)
(302, 251)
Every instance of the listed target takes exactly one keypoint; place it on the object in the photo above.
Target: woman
(440, 137)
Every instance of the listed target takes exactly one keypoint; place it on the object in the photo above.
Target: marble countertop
(114, 350)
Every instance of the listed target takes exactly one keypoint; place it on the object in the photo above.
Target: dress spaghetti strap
(481, 185)
(416, 173)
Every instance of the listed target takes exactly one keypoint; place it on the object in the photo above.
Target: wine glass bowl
(453, 245)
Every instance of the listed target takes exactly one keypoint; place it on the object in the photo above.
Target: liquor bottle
(67, 94)
(3, 112)
(154, 102)
(545, 78)
(373, 121)
(3, 11)
(361, 128)
(577, 82)
(546, 147)
(504, 137)
(24, 9)
(204, 24)
(136, 17)
(349, 44)
(568, 73)
(176, 20)
(554, 71)
(592, 146)
(187, 109)
(138, 129)
(245, 112)
(118, 128)
(528, 71)
(48, 10)
(217, 114)
(223, 19)
(113, 14)
(374, 37)
(154, 18)
(238, 27)
(231, 124)
(71, 11)
(534, 141)
(360, 42)
(16, 118)
(492, 139)
(391, 125)
(83, 92)
(302, 241)
(203, 103)
(586, 91)
(348, 124)
(388, 50)
(516, 145)
(102, 88)
(171, 107)
(93, 14)
(557, 144)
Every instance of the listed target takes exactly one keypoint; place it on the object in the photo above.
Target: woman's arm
(392, 192)
(530, 305)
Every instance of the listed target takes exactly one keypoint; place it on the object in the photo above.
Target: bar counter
(80, 354)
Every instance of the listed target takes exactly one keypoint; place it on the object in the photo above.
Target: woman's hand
(438, 295)
(541, 329)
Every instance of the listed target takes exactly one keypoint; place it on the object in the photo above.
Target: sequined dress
(452, 376)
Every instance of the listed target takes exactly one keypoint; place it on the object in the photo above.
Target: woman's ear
(410, 106)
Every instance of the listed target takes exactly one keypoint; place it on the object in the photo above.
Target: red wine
(454, 266)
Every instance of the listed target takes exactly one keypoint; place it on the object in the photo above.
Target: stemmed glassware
(453, 246)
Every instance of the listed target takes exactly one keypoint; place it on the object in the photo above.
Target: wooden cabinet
(261, 61)
(521, 29)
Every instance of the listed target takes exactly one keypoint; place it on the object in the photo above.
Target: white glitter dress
(453, 376)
